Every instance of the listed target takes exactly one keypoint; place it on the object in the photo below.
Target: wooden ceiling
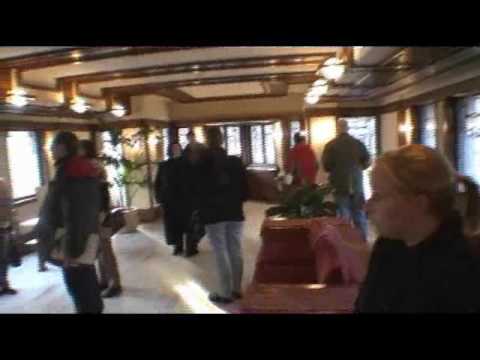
(199, 74)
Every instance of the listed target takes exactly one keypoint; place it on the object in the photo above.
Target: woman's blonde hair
(418, 169)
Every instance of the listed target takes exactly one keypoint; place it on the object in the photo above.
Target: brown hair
(419, 169)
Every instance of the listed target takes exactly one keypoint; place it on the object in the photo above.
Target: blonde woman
(424, 260)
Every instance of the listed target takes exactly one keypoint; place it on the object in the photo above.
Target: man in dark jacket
(174, 191)
(69, 222)
(223, 190)
(345, 158)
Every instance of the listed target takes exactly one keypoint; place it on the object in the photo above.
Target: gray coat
(345, 158)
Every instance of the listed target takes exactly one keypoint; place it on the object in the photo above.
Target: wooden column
(286, 140)
(149, 165)
(6, 78)
(401, 117)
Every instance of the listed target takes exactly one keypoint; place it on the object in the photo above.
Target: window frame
(424, 113)
(179, 135)
(465, 108)
(225, 137)
(264, 164)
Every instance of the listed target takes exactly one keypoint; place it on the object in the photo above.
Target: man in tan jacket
(6, 227)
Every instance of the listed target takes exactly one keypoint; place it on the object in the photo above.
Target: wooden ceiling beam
(199, 66)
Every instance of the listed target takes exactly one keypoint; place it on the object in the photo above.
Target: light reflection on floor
(196, 298)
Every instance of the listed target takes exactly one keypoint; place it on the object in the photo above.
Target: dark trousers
(176, 229)
(42, 252)
(82, 285)
(4, 245)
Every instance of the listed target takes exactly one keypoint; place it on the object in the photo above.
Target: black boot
(7, 290)
(178, 250)
(42, 268)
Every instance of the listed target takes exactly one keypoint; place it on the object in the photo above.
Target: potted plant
(304, 202)
(130, 172)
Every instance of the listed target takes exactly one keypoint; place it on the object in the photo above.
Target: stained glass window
(269, 144)
(469, 137)
(428, 124)
(165, 143)
(182, 137)
(294, 128)
(258, 155)
(262, 144)
(232, 140)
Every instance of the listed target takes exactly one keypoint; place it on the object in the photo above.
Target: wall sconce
(118, 110)
(332, 69)
(79, 105)
(18, 97)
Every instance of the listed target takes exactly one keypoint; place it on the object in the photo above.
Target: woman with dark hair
(223, 189)
(107, 262)
(69, 222)
(425, 258)
(171, 191)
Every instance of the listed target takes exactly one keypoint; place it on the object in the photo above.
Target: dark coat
(222, 187)
(439, 275)
(175, 190)
(345, 158)
(73, 202)
(173, 185)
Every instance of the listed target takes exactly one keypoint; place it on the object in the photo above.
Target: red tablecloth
(298, 299)
(341, 254)
(304, 251)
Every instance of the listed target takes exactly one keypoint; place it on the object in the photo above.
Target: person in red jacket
(302, 163)
(69, 221)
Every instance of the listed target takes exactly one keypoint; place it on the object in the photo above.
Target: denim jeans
(225, 238)
(350, 207)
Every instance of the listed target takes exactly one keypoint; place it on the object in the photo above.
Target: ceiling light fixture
(118, 110)
(332, 69)
(18, 97)
(76, 55)
(319, 88)
(79, 105)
